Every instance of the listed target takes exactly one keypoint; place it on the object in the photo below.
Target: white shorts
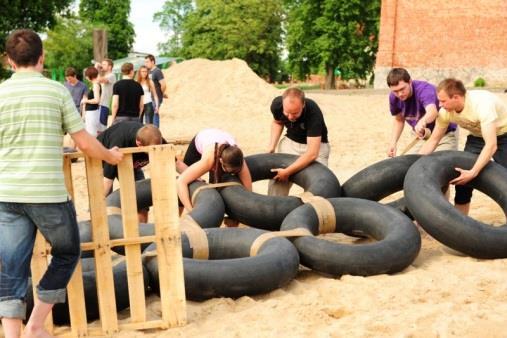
(92, 122)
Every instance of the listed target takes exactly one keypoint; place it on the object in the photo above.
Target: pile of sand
(215, 94)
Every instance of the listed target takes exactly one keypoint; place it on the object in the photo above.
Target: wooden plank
(120, 242)
(39, 266)
(153, 324)
(103, 264)
(97, 332)
(131, 229)
(77, 309)
(75, 289)
(169, 256)
(133, 150)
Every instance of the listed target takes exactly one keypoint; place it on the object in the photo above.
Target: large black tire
(121, 292)
(230, 272)
(440, 219)
(268, 212)
(208, 209)
(115, 232)
(398, 240)
(380, 180)
(115, 229)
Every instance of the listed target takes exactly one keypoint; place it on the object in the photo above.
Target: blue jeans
(18, 225)
(156, 120)
(147, 114)
(104, 114)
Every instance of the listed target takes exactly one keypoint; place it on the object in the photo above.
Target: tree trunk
(99, 45)
(330, 80)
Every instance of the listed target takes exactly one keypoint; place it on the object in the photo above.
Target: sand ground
(440, 295)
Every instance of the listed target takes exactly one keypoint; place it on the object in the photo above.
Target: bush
(480, 82)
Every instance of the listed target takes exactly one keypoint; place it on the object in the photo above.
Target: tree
(330, 34)
(114, 15)
(224, 29)
(36, 15)
(171, 19)
(69, 44)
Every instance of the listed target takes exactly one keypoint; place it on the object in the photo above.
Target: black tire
(440, 219)
(208, 210)
(121, 292)
(398, 240)
(230, 272)
(380, 180)
(115, 232)
(268, 212)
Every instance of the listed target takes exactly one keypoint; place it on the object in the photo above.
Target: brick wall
(435, 39)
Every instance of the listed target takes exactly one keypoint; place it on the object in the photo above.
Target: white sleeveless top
(147, 94)
(208, 137)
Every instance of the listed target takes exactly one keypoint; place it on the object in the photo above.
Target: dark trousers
(474, 145)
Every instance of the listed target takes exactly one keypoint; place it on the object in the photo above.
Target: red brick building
(436, 39)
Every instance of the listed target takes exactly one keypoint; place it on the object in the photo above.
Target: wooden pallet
(167, 238)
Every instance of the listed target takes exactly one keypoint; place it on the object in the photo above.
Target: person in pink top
(214, 151)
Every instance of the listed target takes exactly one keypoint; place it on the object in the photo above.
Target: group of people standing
(127, 99)
(36, 112)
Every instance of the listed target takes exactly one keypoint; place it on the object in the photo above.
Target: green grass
(302, 86)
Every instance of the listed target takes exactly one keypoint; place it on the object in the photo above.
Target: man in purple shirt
(416, 103)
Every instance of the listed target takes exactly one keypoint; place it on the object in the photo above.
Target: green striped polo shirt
(35, 112)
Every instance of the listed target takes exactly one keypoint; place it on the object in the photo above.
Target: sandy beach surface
(442, 294)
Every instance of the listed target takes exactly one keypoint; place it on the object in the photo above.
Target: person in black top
(128, 95)
(129, 134)
(306, 136)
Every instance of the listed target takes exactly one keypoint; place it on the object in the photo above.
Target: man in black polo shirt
(306, 136)
(129, 134)
(128, 95)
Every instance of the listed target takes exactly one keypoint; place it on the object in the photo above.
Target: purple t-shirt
(412, 109)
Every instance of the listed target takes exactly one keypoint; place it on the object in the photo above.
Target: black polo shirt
(309, 124)
(122, 135)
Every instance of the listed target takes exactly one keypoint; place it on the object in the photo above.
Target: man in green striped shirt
(35, 113)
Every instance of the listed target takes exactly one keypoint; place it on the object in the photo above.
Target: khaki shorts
(448, 142)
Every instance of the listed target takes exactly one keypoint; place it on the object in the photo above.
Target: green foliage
(223, 29)
(171, 19)
(69, 44)
(480, 82)
(325, 34)
(113, 14)
(36, 15)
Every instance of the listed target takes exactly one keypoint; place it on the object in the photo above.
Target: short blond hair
(149, 135)
(452, 87)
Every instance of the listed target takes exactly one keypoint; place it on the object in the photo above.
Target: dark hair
(151, 57)
(396, 75)
(232, 158)
(126, 68)
(149, 135)
(24, 47)
(452, 87)
(294, 92)
(91, 72)
(70, 72)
